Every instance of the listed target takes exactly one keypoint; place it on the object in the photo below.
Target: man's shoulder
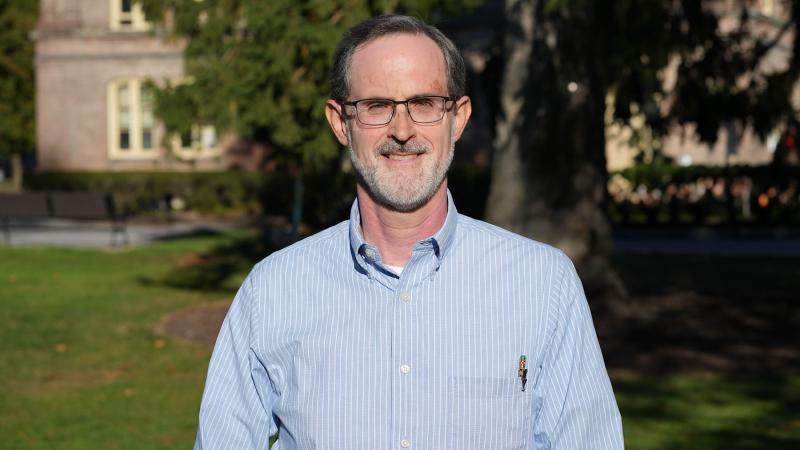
(314, 249)
(532, 265)
(474, 230)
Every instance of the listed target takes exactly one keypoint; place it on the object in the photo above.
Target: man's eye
(424, 102)
(375, 106)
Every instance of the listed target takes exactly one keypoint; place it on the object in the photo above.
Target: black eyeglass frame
(446, 98)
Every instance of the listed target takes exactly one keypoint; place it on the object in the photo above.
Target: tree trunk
(297, 205)
(549, 168)
(16, 172)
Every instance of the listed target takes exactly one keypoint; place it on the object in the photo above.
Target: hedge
(666, 193)
(148, 191)
(328, 195)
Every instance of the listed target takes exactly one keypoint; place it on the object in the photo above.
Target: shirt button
(405, 368)
(405, 443)
(405, 296)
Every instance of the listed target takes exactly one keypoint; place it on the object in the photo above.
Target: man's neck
(394, 233)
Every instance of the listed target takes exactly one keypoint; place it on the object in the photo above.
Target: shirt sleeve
(236, 410)
(576, 408)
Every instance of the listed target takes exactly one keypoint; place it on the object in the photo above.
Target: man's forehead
(400, 36)
(400, 64)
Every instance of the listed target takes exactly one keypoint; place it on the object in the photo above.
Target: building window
(132, 127)
(131, 121)
(200, 142)
(127, 15)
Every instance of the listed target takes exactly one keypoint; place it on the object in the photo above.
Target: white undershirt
(396, 269)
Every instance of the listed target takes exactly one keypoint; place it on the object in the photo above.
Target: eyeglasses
(380, 111)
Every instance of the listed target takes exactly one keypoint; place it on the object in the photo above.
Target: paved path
(780, 241)
(98, 234)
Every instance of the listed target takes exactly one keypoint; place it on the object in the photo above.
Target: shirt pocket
(489, 413)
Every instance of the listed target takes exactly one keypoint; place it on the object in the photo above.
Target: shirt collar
(442, 240)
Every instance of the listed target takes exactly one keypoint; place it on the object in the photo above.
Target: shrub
(327, 196)
(149, 191)
(658, 193)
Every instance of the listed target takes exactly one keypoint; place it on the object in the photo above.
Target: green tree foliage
(260, 68)
(17, 20)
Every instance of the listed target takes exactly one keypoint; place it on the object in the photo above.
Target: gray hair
(376, 27)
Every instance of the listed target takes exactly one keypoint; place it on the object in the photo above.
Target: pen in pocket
(523, 371)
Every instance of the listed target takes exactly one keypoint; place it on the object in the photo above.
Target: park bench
(79, 205)
(24, 205)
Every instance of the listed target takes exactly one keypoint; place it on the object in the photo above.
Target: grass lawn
(710, 412)
(708, 358)
(82, 366)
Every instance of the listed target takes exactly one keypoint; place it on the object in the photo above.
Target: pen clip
(522, 372)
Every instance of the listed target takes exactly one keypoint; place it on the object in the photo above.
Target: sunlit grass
(81, 364)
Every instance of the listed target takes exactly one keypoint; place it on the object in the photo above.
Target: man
(408, 326)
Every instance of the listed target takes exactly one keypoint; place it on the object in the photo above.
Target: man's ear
(463, 110)
(335, 114)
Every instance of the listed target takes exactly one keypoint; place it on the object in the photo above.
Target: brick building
(94, 111)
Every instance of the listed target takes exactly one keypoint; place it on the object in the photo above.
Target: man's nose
(401, 128)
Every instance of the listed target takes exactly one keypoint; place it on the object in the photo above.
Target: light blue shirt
(328, 347)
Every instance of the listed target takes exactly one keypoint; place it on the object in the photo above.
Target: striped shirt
(326, 346)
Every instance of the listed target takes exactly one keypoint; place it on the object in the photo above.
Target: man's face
(401, 164)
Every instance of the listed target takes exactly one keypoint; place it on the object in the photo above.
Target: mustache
(412, 148)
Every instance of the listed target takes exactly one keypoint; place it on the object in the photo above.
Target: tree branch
(761, 52)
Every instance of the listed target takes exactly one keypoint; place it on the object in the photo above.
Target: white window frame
(199, 147)
(135, 149)
(127, 22)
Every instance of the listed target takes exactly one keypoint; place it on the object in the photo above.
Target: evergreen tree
(17, 118)
(260, 68)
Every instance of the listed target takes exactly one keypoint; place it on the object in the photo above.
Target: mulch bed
(197, 325)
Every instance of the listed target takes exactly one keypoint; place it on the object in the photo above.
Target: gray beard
(388, 194)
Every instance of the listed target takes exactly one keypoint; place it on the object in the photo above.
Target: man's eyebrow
(407, 98)
(428, 94)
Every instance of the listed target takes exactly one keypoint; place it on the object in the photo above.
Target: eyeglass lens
(380, 111)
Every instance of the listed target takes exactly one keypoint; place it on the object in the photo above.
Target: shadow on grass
(704, 357)
(740, 277)
(194, 233)
(721, 314)
(214, 269)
